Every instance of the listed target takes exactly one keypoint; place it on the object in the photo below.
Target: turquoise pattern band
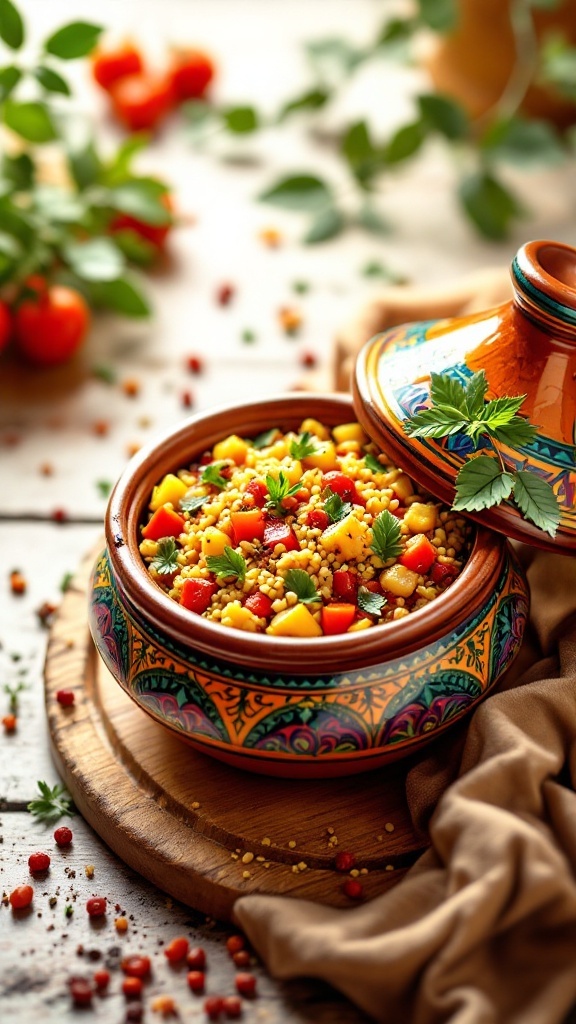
(557, 309)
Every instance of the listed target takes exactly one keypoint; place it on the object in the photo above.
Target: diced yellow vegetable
(349, 536)
(349, 432)
(325, 458)
(295, 621)
(214, 541)
(239, 617)
(359, 625)
(232, 447)
(170, 489)
(278, 450)
(403, 487)
(399, 580)
(293, 470)
(420, 518)
(312, 426)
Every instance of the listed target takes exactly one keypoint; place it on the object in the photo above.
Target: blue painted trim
(565, 313)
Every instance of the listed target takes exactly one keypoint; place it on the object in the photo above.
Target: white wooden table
(52, 418)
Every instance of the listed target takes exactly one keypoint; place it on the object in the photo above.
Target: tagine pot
(283, 706)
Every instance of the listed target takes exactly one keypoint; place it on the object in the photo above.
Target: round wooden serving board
(189, 823)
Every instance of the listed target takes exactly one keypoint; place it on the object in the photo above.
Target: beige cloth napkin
(482, 930)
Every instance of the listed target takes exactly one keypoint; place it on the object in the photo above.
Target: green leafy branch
(485, 480)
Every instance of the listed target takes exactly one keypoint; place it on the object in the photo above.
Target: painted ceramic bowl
(281, 705)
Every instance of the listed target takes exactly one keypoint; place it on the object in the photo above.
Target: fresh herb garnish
(107, 374)
(104, 487)
(165, 561)
(386, 535)
(300, 583)
(193, 504)
(334, 507)
(373, 464)
(211, 475)
(306, 445)
(369, 602)
(484, 480)
(52, 803)
(278, 489)
(229, 563)
(66, 581)
(13, 693)
(266, 439)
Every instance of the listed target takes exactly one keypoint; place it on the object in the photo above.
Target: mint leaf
(229, 564)
(9, 78)
(51, 81)
(448, 393)
(537, 501)
(165, 562)
(306, 445)
(481, 483)
(298, 192)
(334, 507)
(476, 389)
(265, 439)
(122, 295)
(500, 411)
(404, 143)
(386, 535)
(211, 475)
(524, 142)
(52, 803)
(77, 39)
(141, 198)
(326, 224)
(311, 100)
(489, 205)
(370, 603)
(30, 120)
(193, 504)
(300, 583)
(373, 464)
(437, 422)
(241, 120)
(444, 115)
(11, 25)
(516, 433)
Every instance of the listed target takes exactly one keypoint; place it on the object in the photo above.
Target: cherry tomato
(102, 979)
(191, 74)
(344, 585)
(141, 101)
(96, 906)
(196, 958)
(132, 987)
(63, 836)
(81, 991)
(318, 519)
(246, 984)
(5, 325)
(38, 862)
(342, 485)
(51, 327)
(232, 1006)
(176, 950)
(109, 66)
(196, 981)
(154, 233)
(136, 966)
(21, 897)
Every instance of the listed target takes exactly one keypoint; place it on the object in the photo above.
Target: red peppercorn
(352, 889)
(21, 897)
(241, 958)
(66, 698)
(308, 359)
(176, 950)
(194, 364)
(213, 1007)
(225, 294)
(81, 991)
(9, 723)
(63, 836)
(187, 399)
(132, 987)
(38, 862)
(102, 980)
(59, 515)
(196, 981)
(136, 966)
(96, 906)
(246, 984)
(232, 1007)
(196, 959)
(234, 943)
(345, 861)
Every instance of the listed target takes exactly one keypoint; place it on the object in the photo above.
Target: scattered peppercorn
(194, 364)
(45, 612)
(17, 582)
(121, 924)
(136, 966)
(96, 906)
(186, 399)
(21, 897)
(234, 943)
(176, 950)
(59, 515)
(224, 294)
(241, 958)
(38, 862)
(308, 359)
(66, 698)
(246, 984)
(132, 987)
(46, 469)
(9, 722)
(345, 861)
(196, 958)
(102, 980)
(80, 991)
(63, 836)
(232, 1007)
(131, 387)
(352, 889)
(213, 1007)
(101, 428)
(165, 1005)
(196, 981)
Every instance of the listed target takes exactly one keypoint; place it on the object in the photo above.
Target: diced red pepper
(441, 573)
(336, 618)
(259, 604)
(399, 512)
(419, 555)
(342, 485)
(344, 584)
(197, 593)
(164, 523)
(248, 525)
(259, 492)
(373, 586)
(318, 519)
(276, 531)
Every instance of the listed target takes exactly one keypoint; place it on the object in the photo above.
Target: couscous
(307, 534)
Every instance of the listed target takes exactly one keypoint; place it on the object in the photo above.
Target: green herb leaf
(135, 248)
(211, 475)
(386, 534)
(334, 507)
(241, 120)
(98, 259)
(11, 25)
(19, 170)
(104, 487)
(327, 224)
(13, 692)
(85, 164)
(476, 389)
(267, 438)
(363, 156)
(120, 166)
(123, 296)
(77, 39)
(480, 484)
(53, 803)
(307, 444)
(436, 422)
(439, 15)
(141, 198)
(298, 192)
(558, 64)
(370, 603)
(165, 561)
(51, 81)
(313, 99)
(278, 489)
(537, 501)
(498, 413)
(58, 205)
(371, 220)
(489, 205)
(299, 582)
(448, 393)
(66, 581)
(334, 56)
(107, 374)
(444, 115)
(229, 563)
(404, 143)
(517, 433)
(524, 143)
(9, 78)
(373, 464)
(30, 120)
(193, 504)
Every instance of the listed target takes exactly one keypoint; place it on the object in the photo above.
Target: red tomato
(259, 604)
(154, 233)
(109, 66)
(342, 485)
(141, 101)
(344, 585)
(177, 949)
(51, 327)
(21, 897)
(5, 325)
(258, 491)
(318, 519)
(191, 74)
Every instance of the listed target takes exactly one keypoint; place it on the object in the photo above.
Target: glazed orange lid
(525, 347)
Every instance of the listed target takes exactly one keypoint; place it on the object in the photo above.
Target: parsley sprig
(211, 475)
(306, 445)
(267, 438)
(371, 604)
(230, 564)
(334, 507)
(386, 535)
(193, 504)
(165, 560)
(484, 480)
(53, 803)
(300, 583)
(278, 489)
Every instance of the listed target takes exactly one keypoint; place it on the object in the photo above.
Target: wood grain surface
(202, 831)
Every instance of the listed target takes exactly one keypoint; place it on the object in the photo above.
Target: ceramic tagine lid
(525, 347)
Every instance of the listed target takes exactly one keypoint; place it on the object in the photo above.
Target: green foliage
(165, 561)
(490, 206)
(298, 192)
(52, 803)
(11, 25)
(77, 39)
(370, 603)
(278, 489)
(386, 534)
(334, 507)
(229, 565)
(31, 120)
(241, 120)
(299, 582)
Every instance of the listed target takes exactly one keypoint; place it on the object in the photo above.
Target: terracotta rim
(467, 594)
(544, 277)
